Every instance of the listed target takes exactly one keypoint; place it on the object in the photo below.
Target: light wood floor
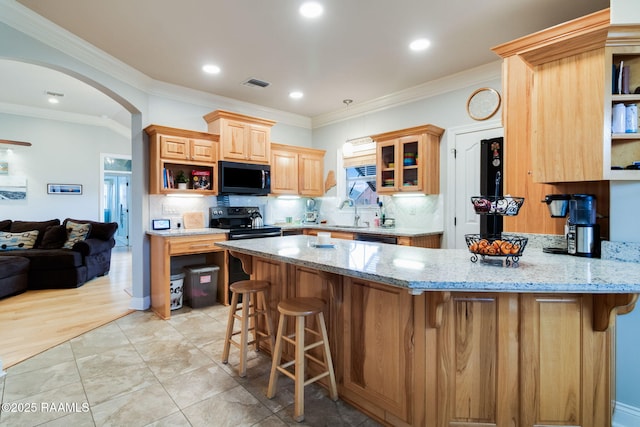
(35, 321)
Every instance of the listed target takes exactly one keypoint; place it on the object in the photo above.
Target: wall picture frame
(71, 189)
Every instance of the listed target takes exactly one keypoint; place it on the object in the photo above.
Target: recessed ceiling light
(211, 69)
(419, 44)
(296, 94)
(53, 97)
(311, 9)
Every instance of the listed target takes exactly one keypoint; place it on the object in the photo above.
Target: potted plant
(182, 180)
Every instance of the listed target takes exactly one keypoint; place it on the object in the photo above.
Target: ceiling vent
(255, 83)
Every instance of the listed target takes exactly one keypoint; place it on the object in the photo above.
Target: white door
(467, 180)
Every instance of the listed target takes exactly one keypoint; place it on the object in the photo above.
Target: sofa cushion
(5, 225)
(16, 241)
(99, 230)
(41, 226)
(49, 259)
(54, 237)
(12, 266)
(76, 232)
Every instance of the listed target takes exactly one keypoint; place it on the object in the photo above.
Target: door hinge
(455, 221)
(454, 152)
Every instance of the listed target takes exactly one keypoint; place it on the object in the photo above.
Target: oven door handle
(254, 236)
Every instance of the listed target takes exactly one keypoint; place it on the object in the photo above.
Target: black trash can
(200, 285)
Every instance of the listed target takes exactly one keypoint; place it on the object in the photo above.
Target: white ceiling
(357, 49)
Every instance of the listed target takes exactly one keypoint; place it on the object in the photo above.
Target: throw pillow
(76, 233)
(54, 237)
(41, 226)
(15, 241)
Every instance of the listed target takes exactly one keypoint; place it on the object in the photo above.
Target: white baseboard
(140, 303)
(626, 416)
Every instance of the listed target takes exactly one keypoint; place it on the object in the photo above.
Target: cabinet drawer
(195, 244)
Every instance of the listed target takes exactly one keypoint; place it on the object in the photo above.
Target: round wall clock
(483, 103)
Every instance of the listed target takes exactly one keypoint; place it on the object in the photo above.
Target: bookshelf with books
(176, 153)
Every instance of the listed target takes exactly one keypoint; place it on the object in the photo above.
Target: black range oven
(241, 223)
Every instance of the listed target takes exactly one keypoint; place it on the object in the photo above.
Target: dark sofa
(51, 265)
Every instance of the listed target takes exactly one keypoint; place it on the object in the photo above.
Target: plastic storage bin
(176, 285)
(201, 285)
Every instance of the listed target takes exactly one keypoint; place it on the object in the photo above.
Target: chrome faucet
(351, 203)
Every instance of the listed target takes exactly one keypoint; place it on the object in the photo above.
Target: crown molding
(474, 76)
(33, 25)
(205, 99)
(62, 116)
(28, 22)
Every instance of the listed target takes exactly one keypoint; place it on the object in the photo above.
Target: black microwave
(243, 178)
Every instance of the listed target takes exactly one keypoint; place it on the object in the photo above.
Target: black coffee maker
(583, 238)
(582, 232)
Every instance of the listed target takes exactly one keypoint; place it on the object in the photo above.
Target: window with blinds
(359, 162)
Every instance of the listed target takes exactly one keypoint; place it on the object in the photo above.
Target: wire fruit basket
(511, 248)
(494, 205)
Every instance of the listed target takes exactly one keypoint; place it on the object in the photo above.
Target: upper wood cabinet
(408, 160)
(567, 74)
(183, 148)
(242, 138)
(173, 150)
(296, 170)
(556, 134)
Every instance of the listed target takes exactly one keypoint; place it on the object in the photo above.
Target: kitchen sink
(355, 227)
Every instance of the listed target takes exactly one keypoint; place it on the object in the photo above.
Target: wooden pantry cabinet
(408, 160)
(172, 150)
(296, 170)
(242, 138)
(557, 134)
(567, 73)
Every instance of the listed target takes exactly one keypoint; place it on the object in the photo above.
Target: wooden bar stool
(301, 308)
(254, 303)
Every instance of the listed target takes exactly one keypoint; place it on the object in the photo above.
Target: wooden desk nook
(165, 245)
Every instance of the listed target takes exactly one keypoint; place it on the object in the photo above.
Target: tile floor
(143, 371)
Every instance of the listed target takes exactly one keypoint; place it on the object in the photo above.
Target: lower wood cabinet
(377, 371)
(458, 359)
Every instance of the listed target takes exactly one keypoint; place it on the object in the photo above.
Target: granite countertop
(187, 232)
(383, 231)
(421, 269)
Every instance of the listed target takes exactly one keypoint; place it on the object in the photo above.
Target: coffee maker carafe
(583, 238)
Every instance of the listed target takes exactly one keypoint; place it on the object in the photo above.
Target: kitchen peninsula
(425, 337)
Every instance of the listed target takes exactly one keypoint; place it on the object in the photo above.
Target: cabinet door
(203, 151)
(386, 166)
(311, 170)
(174, 147)
(276, 274)
(284, 172)
(565, 373)
(378, 348)
(258, 142)
(409, 165)
(477, 361)
(232, 140)
(568, 118)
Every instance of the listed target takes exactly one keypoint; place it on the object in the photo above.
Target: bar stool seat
(254, 303)
(300, 309)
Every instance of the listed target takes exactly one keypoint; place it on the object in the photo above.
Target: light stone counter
(187, 232)
(382, 231)
(420, 269)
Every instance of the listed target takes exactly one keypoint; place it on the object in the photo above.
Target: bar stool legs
(301, 308)
(253, 304)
